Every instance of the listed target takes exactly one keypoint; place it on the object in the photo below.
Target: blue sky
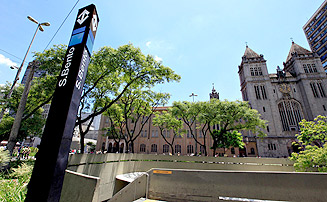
(202, 40)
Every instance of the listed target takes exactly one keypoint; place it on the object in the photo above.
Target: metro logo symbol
(83, 16)
(94, 23)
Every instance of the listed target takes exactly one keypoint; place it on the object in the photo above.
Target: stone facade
(297, 92)
(151, 142)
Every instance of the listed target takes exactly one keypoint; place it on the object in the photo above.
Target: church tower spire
(214, 93)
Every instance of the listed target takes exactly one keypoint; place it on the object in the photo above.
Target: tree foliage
(31, 125)
(313, 138)
(188, 112)
(166, 121)
(135, 106)
(223, 120)
(111, 72)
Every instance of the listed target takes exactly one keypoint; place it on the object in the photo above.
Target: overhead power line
(61, 25)
(51, 38)
(11, 54)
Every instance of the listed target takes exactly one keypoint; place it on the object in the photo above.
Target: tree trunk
(132, 146)
(172, 149)
(82, 135)
(205, 146)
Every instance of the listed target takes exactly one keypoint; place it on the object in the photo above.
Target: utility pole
(19, 115)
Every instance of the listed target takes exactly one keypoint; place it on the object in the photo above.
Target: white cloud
(148, 44)
(6, 61)
(158, 59)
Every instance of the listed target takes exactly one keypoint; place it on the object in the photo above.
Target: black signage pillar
(49, 170)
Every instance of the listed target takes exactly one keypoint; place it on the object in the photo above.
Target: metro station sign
(49, 170)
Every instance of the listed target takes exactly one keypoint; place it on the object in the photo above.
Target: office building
(316, 33)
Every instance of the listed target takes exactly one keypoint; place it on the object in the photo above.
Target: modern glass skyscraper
(316, 32)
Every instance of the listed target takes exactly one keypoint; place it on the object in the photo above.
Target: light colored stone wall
(197, 185)
(108, 166)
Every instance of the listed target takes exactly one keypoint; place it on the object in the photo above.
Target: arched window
(153, 148)
(290, 114)
(178, 148)
(142, 148)
(190, 149)
(165, 148)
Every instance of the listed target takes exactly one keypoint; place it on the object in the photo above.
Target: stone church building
(296, 92)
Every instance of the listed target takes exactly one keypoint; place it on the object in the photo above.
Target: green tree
(115, 131)
(188, 113)
(111, 72)
(313, 139)
(136, 107)
(229, 118)
(167, 121)
(207, 119)
(31, 125)
(114, 72)
(41, 93)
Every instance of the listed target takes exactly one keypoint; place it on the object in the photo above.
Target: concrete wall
(132, 191)
(80, 187)
(108, 166)
(195, 185)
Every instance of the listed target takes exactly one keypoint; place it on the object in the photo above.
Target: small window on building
(165, 148)
(294, 90)
(200, 133)
(252, 151)
(268, 129)
(323, 106)
(321, 89)
(178, 148)
(263, 92)
(190, 149)
(271, 146)
(305, 68)
(189, 134)
(154, 133)
(264, 109)
(153, 148)
(314, 89)
(257, 92)
(309, 68)
(142, 148)
(314, 68)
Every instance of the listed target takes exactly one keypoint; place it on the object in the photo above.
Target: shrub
(4, 158)
(13, 187)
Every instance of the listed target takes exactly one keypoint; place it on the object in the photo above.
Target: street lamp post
(195, 133)
(22, 104)
(10, 91)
